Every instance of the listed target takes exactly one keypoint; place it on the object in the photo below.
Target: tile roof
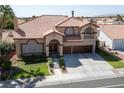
(113, 31)
(7, 36)
(44, 24)
(37, 27)
(72, 21)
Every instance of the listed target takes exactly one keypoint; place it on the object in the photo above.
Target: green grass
(111, 59)
(29, 68)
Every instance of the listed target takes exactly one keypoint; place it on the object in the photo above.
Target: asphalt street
(101, 83)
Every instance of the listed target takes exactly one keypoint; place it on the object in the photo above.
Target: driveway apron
(87, 63)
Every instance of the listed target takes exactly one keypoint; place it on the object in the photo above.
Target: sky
(80, 10)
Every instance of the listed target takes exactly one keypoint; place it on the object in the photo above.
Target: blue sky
(80, 10)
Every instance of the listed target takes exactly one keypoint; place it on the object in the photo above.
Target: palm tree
(6, 19)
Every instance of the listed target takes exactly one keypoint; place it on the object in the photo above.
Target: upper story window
(76, 31)
(69, 31)
(89, 30)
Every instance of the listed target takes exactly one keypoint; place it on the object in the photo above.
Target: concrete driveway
(87, 63)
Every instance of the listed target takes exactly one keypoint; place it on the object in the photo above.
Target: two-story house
(49, 34)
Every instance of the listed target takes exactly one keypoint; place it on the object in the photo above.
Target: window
(89, 30)
(76, 31)
(69, 31)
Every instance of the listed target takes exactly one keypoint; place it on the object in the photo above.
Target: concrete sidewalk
(55, 79)
(56, 67)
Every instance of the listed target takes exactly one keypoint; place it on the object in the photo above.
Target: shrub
(51, 70)
(61, 62)
(50, 62)
(63, 67)
(4, 48)
(4, 75)
(6, 64)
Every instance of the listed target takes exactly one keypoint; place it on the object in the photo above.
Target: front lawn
(112, 60)
(29, 67)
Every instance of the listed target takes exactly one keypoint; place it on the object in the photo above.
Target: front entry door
(53, 48)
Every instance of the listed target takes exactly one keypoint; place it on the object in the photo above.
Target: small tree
(6, 18)
(4, 49)
(119, 18)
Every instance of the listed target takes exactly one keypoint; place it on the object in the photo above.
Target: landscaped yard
(112, 60)
(29, 67)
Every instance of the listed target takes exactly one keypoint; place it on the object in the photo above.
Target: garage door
(32, 48)
(119, 44)
(67, 50)
(77, 49)
(82, 49)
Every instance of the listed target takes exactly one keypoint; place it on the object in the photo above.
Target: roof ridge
(63, 21)
(40, 17)
(68, 19)
(31, 19)
(55, 15)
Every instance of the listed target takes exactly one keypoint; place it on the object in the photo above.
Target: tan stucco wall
(53, 36)
(50, 37)
(79, 43)
(18, 48)
(25, 40)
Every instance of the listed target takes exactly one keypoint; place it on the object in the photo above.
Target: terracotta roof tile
(73, 22)
(39, 26)
(7, 36)
(52, 31)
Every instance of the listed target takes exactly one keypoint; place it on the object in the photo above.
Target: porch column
(47, 50)
(61, 50)
(94, 47)
(18, 48)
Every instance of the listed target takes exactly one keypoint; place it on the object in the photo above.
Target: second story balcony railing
(89, 36)
(72, 38)
(78, 37)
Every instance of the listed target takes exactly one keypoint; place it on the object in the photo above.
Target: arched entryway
(54, 46)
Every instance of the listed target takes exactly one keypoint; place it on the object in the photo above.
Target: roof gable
(53, 30)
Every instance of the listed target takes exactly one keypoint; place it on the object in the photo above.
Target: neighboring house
(20, 21)
(59, 34)
(112, 36)
(7, 36)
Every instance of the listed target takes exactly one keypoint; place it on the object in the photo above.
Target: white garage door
(118, 44)
(32, 48)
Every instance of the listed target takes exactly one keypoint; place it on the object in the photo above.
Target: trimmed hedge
(61, 62)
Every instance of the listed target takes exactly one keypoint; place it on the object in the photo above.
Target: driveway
(87, 63)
